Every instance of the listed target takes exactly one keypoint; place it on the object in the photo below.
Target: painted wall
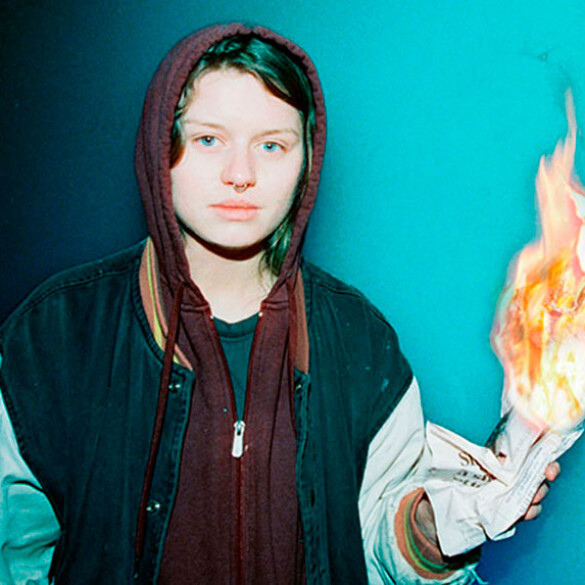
(438, 113)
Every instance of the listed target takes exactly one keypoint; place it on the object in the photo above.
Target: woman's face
(236, 179)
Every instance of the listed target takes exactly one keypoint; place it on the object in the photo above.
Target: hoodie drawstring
(161, 407)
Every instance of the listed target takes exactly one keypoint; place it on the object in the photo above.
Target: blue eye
(207, 140)
(271, 147)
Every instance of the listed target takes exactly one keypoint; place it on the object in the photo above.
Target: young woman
(206, 407)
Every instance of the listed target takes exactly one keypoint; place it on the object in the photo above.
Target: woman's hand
(425, 520)
(425, 517)
(551, 473)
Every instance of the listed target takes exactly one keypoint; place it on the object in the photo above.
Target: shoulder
(354, 350)
(79, 287)
(340, 317)
(323, 290)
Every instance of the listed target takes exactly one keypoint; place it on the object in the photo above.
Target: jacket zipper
(239, 540)
(237, 452)
(238, 448)
(238, 444)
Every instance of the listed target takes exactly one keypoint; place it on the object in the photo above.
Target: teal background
(438, 115)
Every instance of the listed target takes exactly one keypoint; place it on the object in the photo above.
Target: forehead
(232, 96)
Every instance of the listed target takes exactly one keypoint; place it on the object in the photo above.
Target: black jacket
(80, 375)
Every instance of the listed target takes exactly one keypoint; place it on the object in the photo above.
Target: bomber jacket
(80, 374)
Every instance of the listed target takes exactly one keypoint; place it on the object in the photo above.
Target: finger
(533, 512)
(540, 494)
(552, 471)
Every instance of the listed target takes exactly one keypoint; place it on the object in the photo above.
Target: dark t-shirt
(236, 341)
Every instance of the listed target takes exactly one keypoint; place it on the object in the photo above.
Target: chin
(236, 249)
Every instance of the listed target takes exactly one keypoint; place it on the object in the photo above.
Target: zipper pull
(238, 446)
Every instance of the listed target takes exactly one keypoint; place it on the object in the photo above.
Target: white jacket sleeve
(396, 464)
(28, 527)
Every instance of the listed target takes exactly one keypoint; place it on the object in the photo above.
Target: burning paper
(539, 337)
(539, 330)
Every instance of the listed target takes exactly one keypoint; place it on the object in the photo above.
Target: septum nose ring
(240, 185)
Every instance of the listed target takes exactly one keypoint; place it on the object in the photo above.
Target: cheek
(287, 190)
(179, 196)
(285, 179)
(189, 184)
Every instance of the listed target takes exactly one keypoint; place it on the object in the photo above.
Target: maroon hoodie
(235, 520)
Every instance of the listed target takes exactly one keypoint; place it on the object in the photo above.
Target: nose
(239, 170)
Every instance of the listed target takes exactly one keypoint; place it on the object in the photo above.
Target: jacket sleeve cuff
(421, 554)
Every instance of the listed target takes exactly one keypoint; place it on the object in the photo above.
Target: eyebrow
(279, 131)
(191, 122)
(271, 132)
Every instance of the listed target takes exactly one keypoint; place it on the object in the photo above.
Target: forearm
(28, 527)
(418, 543)
(394, 473)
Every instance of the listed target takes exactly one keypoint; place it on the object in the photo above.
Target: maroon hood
(153, 152)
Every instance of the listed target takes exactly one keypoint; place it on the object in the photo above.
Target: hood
(153, 158)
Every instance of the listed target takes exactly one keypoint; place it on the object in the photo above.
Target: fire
(539, 329)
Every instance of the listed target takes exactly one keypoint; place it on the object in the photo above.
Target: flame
(539, 328)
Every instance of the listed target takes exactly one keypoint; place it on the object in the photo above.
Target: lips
(236, 209)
